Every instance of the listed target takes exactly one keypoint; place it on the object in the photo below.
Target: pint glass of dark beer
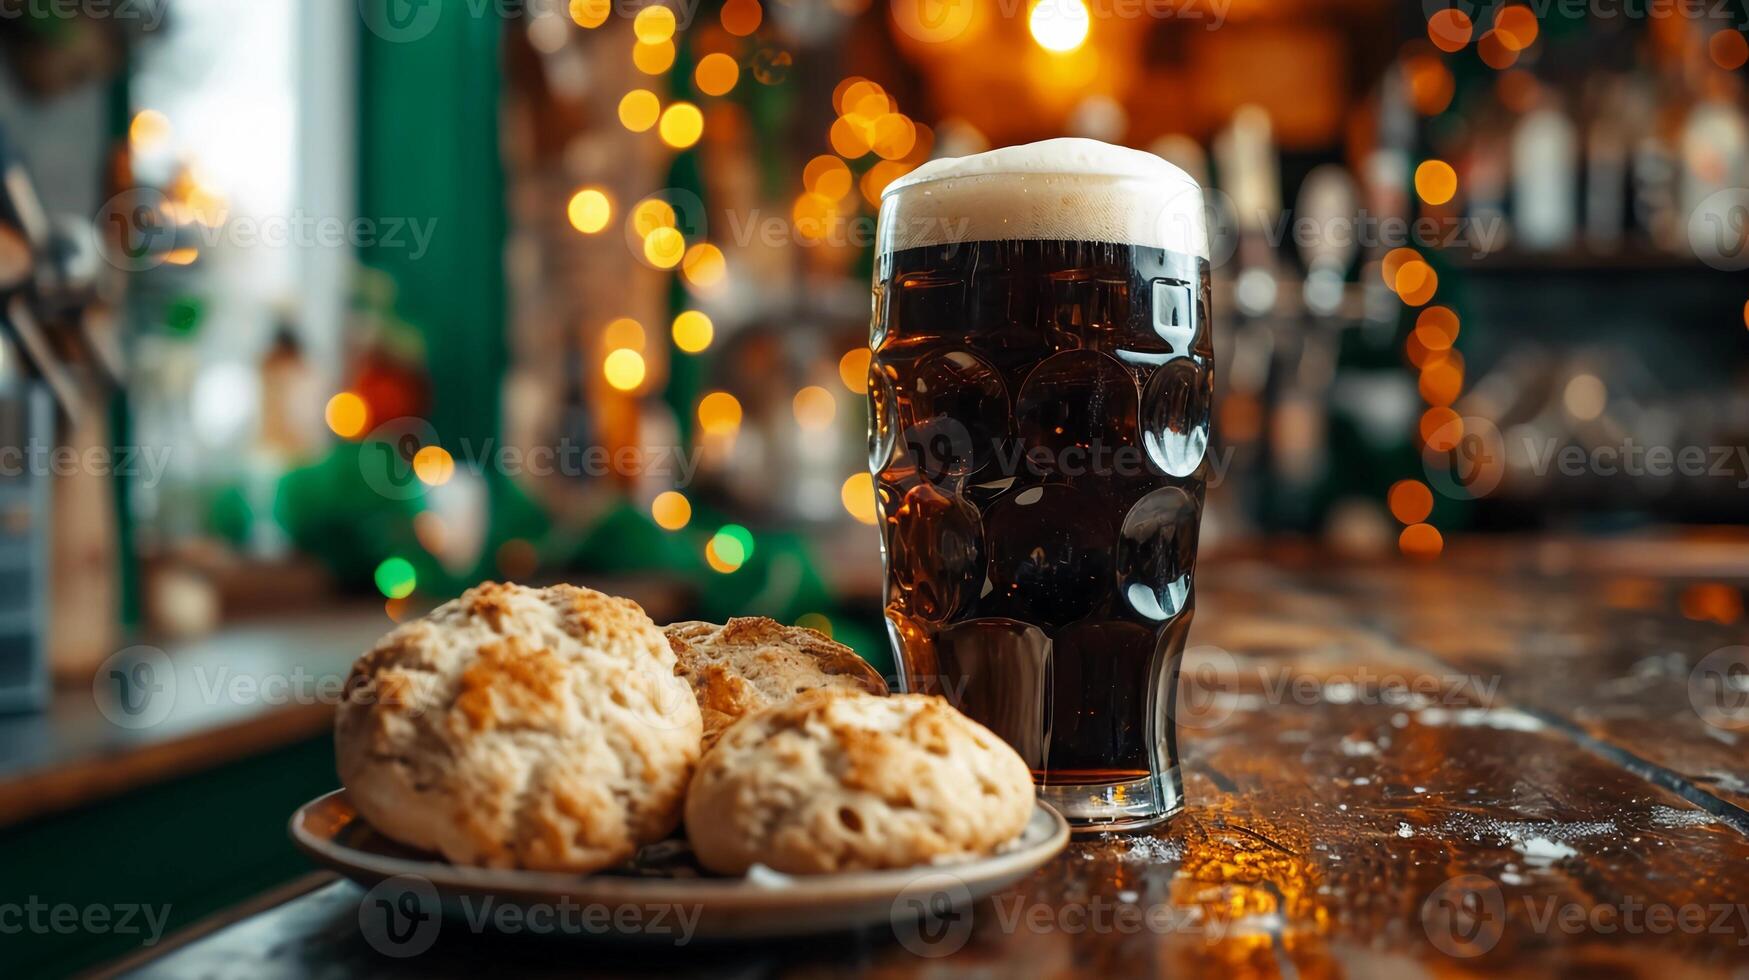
(1039, 417)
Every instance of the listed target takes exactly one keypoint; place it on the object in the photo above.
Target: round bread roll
(752, 662)
(842, 781)
(521, 728)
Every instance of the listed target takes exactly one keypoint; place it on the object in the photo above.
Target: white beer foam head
(1061, 189)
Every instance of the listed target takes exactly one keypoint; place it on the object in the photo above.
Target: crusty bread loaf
(751, 663)
(840, 780)
(518, 727)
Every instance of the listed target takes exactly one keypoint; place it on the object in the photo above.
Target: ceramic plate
(664, 883)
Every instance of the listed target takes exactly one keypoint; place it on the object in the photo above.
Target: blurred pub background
(315, 313)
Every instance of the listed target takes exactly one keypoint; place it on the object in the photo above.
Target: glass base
(1118, 807)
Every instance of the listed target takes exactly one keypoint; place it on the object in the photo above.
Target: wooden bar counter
(1528, 760)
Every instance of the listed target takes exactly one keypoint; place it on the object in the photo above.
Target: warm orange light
(433, 465)
(682, 124)
(624, 369)
(1430, 84)
(1713, 602)
(1410, 501)
(720, 562)
(859, 96)
(704, 265)
(742, 17)
(814, 408)
(623, 332)
(693, 331)
(1746, 315)
(1422, 541)
(591, 13)
(653, 24)
(826, 174)
(1438, 326)
(650, 214)
(1516, 27)
(1416, 283)
(853, 370)
(1436, 182)
(893, 135)
(813, 215)
(671, 510)
(878, 177)
(1059, 25)
(1441, 382)
(663, 248)
(638, 110)
(719, 413)
(1728, 49)
(347, 415)
(1441, 429)
(1450, 29)
(858, 497)
(1393, 263)
(716, 74)
(847, 140)
(590, 210)
(653, 59)
(1494, 52)
(149, 130)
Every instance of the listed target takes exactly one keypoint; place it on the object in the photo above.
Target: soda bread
(521, 728)
(751, 662)
(839, 780)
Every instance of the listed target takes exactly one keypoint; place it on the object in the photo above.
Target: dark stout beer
(1039, 423)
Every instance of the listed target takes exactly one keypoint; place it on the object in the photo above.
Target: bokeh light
(716, 74)
(742, 17)
(853, 370)
(1516, 27)
(858, 498)
(396, 579)
(650, 214)
(639, 109)
(671, 510)
(654, 24)
(433, 465)
(814, 408)
(1728, 49)
(664, 247)
(590, 210)
(1059, 25)
(1410, 501)
(719, 413)
(623, 332)
(1436, 182)
(827, 175)
(1417, 283)
(591, 13)
(624, 369)
(1450, 29)
(1422, 541)
(653, 59)
(704, 266)
(149, 131)
(693, 331)
(347, 415)
(1441, 429)
(681, 125)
